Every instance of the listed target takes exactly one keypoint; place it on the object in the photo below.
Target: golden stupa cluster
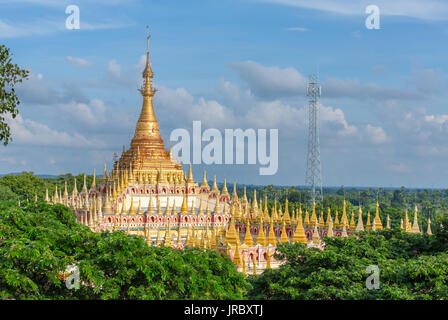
(148, 194)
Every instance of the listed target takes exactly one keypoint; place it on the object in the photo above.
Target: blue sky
(236, 64)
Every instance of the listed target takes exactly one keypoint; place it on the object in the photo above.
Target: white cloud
(91, 114)
(376, 135)
(114, 69)
(269, 82)
(297, 29)
(427, 81)
(273, 82)
(34, 89)
(79, 61)
(140, 65)
(353, 88)
(44, 27)
(29, 132)
(427, 10)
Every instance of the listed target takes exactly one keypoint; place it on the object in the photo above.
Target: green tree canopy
(411, 266)
(37, 243)
(10, 75)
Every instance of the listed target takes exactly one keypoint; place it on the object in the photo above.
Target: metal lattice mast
(313, 167)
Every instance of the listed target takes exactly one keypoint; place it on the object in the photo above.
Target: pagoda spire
(352, 225)
(84, 187)
(415, 228)
(330, 233)
(204, 181)
(261, 237)
(344, 219)
(248, 240)
(368, 224)
(184, 207)
(75, 189)
(93, 185)
(316, 237)
(190, 179)
(360, 226)
(377, 220)
(147, 74)
(429, 227)
(327, 222)
(299, 234)
(131, 208)
(313, 215)
(407, 224)
(150, 208)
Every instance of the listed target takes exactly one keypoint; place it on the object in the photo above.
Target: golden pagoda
(147, 154)
(148, 175)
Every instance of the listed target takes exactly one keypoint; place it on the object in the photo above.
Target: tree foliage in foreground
(10, 75)
(411, 266)
(39, 242)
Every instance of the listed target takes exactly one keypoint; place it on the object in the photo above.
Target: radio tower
(313, 166)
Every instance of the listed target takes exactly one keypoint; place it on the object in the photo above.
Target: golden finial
(237, 256)
(93, 185)
(284, 236)
(321, 219)
(190, 179)
(429, 227)
(232, 238)
(261, 237)
(415, 228)
(184, 208)
(207, 210)
(344, 219)
(316, 237)
(360, 225)
(139, 209)
(204, 181)
(299, 233)
(268, 260)
(327, 222)
(200, 209)
(248, 240)
(150, 208)
(407, 224)
(377, 220)
(131, 208)
(368, 224)
(286, 217)
(352, 225)
(313, 215)
(330, 233)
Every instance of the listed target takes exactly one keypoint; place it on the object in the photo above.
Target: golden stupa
(147, 154)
